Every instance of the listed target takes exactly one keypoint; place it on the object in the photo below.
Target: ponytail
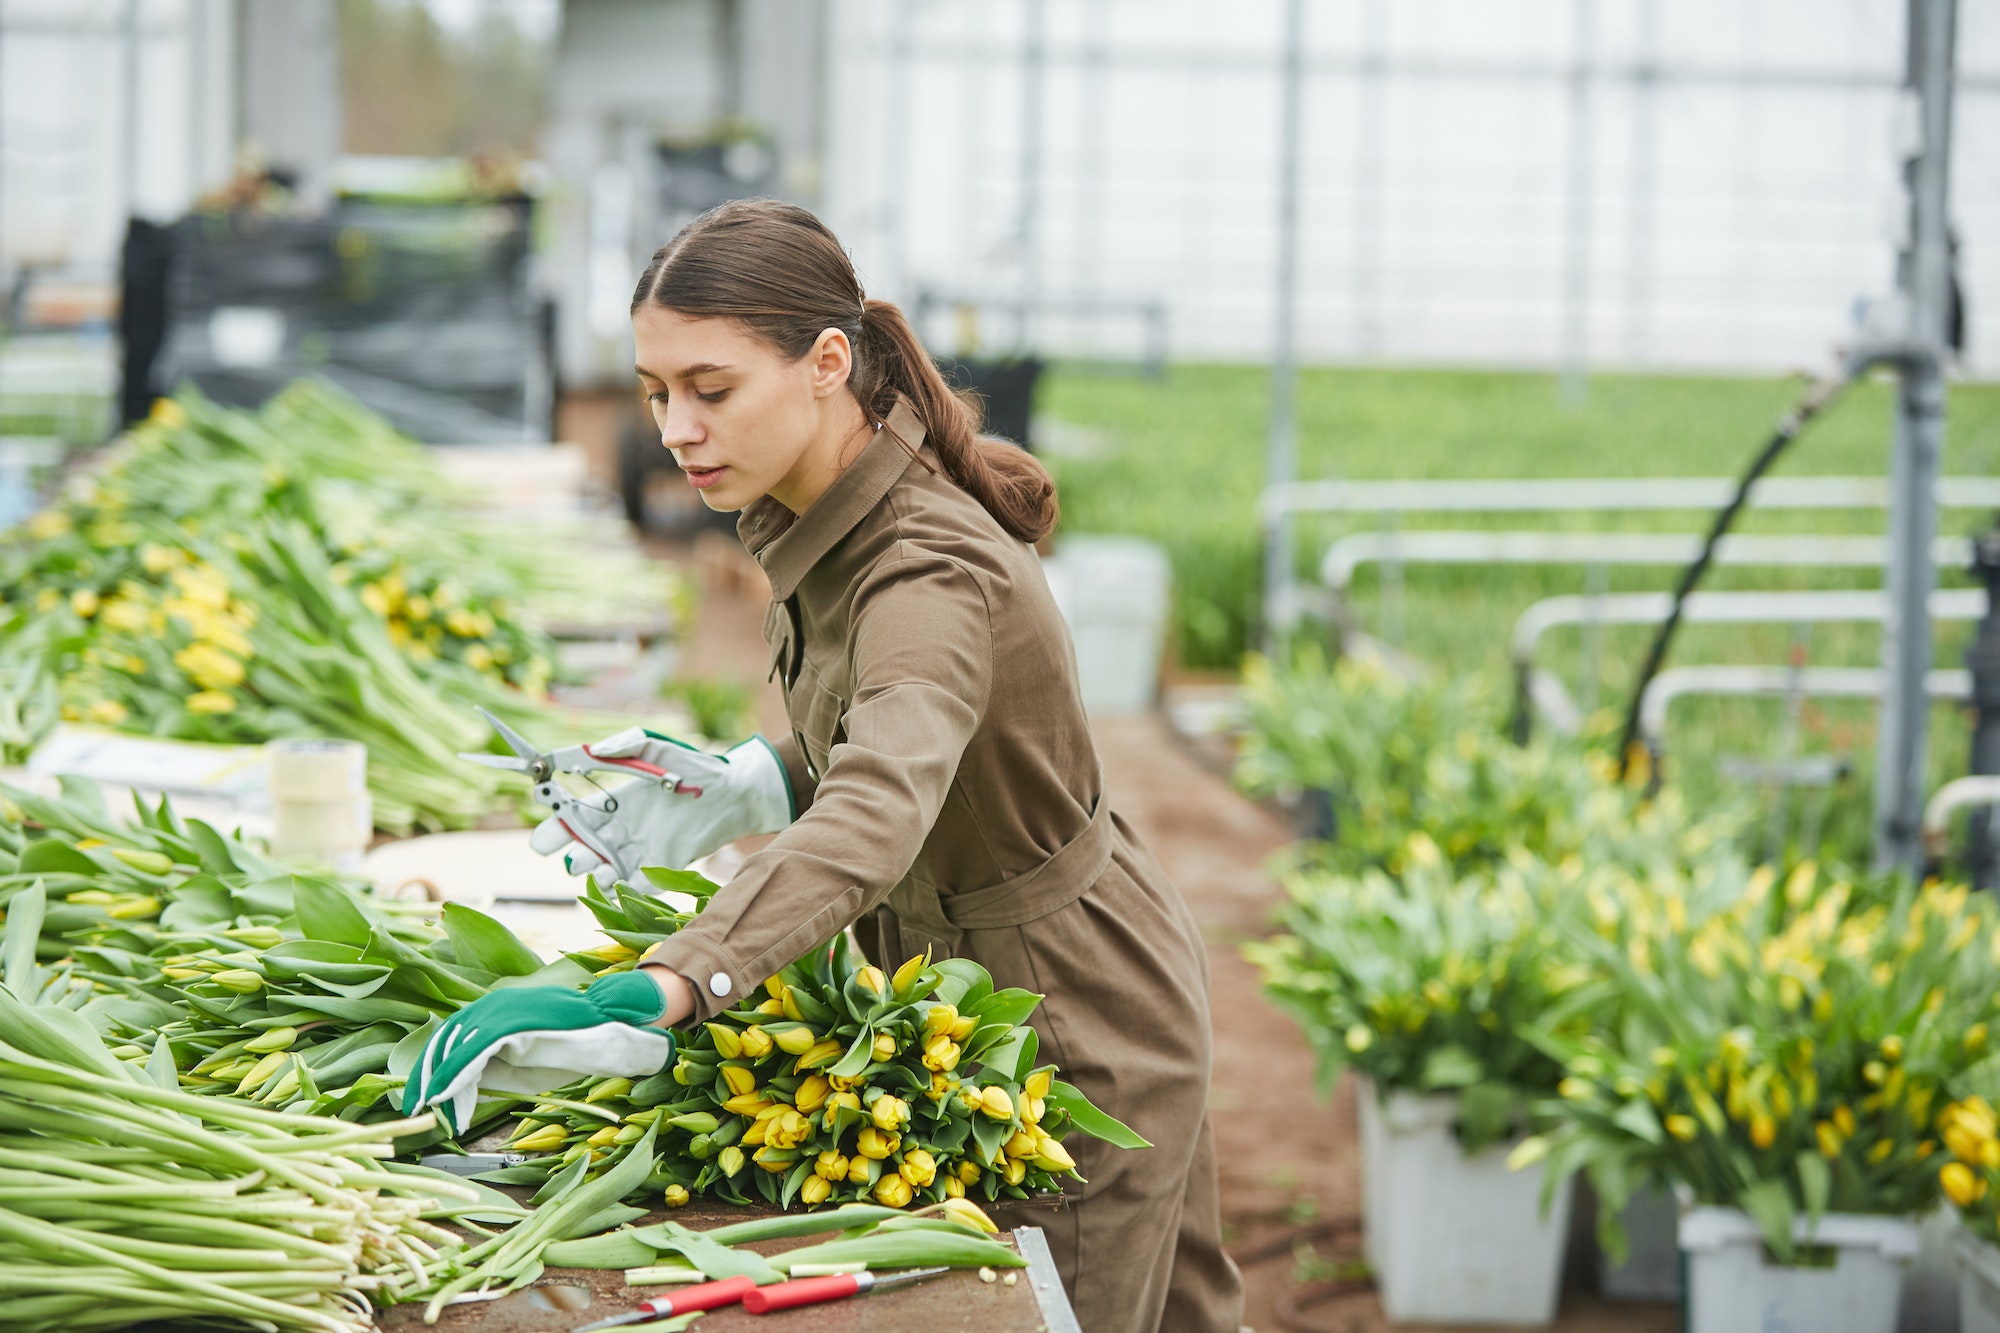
(779, 270)
(893, 364)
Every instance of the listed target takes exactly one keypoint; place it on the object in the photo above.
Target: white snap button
(718, 985)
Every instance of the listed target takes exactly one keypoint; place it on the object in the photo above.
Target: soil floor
(1289, 1159)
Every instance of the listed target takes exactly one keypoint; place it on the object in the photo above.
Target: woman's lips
(701, 478)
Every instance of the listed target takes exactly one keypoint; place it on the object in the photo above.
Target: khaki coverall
(949, 797)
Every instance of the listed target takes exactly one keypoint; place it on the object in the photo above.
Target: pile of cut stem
(123, 1198)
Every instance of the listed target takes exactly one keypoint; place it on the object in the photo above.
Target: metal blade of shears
(511, 763)
(513, 738)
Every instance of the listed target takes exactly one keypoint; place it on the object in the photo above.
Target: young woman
(939, 788)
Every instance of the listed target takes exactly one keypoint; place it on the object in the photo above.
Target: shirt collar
(788, 550)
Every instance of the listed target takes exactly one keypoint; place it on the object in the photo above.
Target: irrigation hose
(1818, 397)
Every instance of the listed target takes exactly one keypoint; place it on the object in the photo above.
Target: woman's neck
(844, 432)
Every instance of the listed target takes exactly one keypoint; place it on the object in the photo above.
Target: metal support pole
(1982, 659)
(1281, 448)
(128, 101)
(896, 191)
(1918, 444)
(1034, 63)
(1575, 386)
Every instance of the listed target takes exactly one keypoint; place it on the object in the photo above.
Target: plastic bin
(1978, 1284)
(1452, 1238)
(1733, 1288)
(1113, 593)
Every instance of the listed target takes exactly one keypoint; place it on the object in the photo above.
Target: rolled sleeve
(921, 647)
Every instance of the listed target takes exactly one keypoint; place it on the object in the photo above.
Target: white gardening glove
(654, 823)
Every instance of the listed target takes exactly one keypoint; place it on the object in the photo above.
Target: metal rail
(1979, 789)
(1570, 494)
(1678, 683)
(1703, 608)
(1457, 547)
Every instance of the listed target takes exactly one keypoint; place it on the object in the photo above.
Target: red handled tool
(814, 1290)
(707, 1296)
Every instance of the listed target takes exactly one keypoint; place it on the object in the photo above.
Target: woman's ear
(832, 359)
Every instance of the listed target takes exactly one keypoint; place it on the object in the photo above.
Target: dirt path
(1288, 1158)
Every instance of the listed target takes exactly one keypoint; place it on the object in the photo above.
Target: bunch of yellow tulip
(1782, 1047)
(841, 1083)
(1428, 981)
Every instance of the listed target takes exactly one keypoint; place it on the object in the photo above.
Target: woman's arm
(921, 645)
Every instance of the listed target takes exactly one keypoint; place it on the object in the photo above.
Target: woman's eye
(715, 397)
(659, 397)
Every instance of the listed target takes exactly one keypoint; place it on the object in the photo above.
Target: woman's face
(742, 419)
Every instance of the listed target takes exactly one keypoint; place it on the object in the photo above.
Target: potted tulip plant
(1783, 1057)
(1423, 984)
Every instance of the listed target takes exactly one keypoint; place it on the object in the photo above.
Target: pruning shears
(541, 767)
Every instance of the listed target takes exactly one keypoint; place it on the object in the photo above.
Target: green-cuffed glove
(535, 1038)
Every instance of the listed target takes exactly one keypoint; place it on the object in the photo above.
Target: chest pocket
(815, 711)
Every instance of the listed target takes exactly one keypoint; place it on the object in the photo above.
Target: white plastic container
(320, 807)
(1733, 1288)
(1451, 1238)
(1113, 593)
(1978, 1284)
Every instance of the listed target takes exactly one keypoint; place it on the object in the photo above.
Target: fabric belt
(1029, 896)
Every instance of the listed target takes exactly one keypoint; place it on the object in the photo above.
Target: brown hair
(778, 270)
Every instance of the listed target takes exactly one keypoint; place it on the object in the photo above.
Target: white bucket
(1452, 1238)
(1733, 1288)
(1978, 1284)
(1113, 593)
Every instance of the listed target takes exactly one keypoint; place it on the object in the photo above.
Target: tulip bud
(609, 1088)
(1961, 1184)
(1892, 1048)
(952, 1189)
(239, 979)
(603, 1138)
(730, 1159)
(941, 1054)
(1054, 1157)
(996, 1103)
(890, 1113)
(906, 975)
(885, 1048)
(918, 1167)
(1015, 1171)
(831, 1165)
(727, 1042)
(862, 1170)
(872, 1142)
(701, 1147)
(893, 1191)
(937, 1023)
(260, 1071)
(747, 1103)
(1683, 1127)
(755, 1043)
(966, 1025)
(1039, 1083)
(811, 1094)
(676, 1196)
(788, 1004)
(774, 1159)
(277, 1039)
(815, 1191)
(851, 1100)
(770, 1008)
(819, 1053)
(739, 1079)
(871, 980)
(968, 1172)
(794, 1041)
(1021, 1145)
(547, 1138)
(939, 1089)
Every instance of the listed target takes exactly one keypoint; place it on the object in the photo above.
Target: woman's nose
(678, 427)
